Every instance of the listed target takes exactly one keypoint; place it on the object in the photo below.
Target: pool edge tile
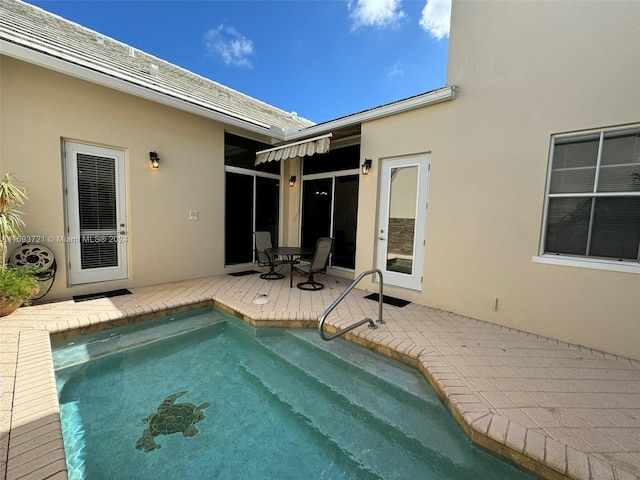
(35, 422)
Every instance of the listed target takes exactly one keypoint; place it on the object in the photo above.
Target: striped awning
(307, 147)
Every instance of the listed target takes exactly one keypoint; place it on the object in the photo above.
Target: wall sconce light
(154, 159)
(292, 180)
(366, 166)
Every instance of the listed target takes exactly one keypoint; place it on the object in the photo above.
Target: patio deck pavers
(562, 410)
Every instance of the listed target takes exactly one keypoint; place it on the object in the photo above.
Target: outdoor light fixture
(154, 159)
(292, 180)
(366, 166)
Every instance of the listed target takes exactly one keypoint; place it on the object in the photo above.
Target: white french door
(402, 220)
(96, 213)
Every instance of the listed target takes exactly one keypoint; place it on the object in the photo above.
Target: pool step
(74, 351)
(377, 446)
(398, 374)
(363, 377)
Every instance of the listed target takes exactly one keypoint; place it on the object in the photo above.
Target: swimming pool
(247, 403)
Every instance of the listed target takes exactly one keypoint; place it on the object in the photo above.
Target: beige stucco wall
(290, 218)
(40, 108)
(526, 70)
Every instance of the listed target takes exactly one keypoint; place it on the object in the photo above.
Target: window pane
(403, 195)
(573, 181)
(97, 211)
(624, 178)
(97, 193)
(568, 225)
(574, 165)
(98, 251)
(267, 204)
(620, 171)
(576, 152)
(344, 221)
(345, 158)
(238, 223)
(241, 152)
(316, 210)
(621, 147)
(616, 228)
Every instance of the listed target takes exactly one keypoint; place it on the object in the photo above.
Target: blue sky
(321, 59)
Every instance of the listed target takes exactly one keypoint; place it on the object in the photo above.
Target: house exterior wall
(40, 108)
(290, 218)
(526, 71)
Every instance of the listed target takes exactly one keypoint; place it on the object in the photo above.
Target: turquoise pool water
(282, 404)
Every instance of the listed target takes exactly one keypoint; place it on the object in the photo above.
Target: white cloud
(436, 18)
(375, 13)
(396, 70)
(234, 48)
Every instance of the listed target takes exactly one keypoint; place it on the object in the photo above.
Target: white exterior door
(96, 213)
(402, 220)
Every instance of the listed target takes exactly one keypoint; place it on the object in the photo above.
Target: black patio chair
(318, 264)
(263, 244)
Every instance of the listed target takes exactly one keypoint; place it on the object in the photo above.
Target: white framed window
(592, 204)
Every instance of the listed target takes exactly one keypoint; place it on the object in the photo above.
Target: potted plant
(17, 285)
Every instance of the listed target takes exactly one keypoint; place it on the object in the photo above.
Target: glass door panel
(344, 221)
(316, 210)
(267, 206)
(252, 203)
(238, 222)
(97, 212)
(402, 220)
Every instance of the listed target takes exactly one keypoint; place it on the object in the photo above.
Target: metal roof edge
(432, 97)
(111, 80)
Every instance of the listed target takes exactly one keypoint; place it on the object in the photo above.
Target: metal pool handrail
(323, 317)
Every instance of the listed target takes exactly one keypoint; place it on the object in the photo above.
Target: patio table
(291, 253)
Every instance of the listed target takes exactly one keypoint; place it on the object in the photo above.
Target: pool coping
(34, 441)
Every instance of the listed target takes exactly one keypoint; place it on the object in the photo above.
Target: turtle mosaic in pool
(279, 404)
(171, 417)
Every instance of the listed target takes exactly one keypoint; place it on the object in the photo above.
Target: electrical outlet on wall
(193, 214)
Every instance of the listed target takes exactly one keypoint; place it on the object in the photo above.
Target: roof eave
(433, 97)
(87, 73)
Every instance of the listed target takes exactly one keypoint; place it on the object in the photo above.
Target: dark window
(346, 158)
(241, 152)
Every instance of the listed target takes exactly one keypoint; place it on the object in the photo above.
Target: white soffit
(308, 147)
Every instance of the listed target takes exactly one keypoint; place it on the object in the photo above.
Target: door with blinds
(96, 213)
